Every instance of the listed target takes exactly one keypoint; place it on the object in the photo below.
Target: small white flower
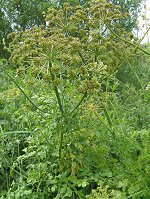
(147, 87)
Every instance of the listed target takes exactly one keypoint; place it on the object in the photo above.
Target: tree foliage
(131, 7)
(4, 30)
(24, 14)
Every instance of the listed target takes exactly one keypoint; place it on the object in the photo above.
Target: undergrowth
(75, 125)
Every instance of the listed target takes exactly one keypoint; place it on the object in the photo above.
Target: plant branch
(81, 57)
(107, 116)
(61, 142)
(22, 91)
(126, 58)
(56, 90)
(136, 46)
(108, 128)
(79, 103)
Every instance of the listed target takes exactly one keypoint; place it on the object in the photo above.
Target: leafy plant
(76, 125)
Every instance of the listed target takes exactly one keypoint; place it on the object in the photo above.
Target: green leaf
(64, 189)
(83, 183)
(69, 192)
(53, 188)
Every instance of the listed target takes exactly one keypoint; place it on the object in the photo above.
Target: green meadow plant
(76, 49)
(80, 137)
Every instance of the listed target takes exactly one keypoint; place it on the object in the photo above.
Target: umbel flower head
(75, 45)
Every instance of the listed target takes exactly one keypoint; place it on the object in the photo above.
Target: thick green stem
(56, 91)
(58, 99)
(61, 142)
(60, 108)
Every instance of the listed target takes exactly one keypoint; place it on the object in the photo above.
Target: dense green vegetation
(74, 104)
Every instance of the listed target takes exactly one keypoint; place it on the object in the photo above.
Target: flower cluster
(75, 45)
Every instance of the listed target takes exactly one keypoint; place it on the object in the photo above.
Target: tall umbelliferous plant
(74, 53)
(76, 47)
